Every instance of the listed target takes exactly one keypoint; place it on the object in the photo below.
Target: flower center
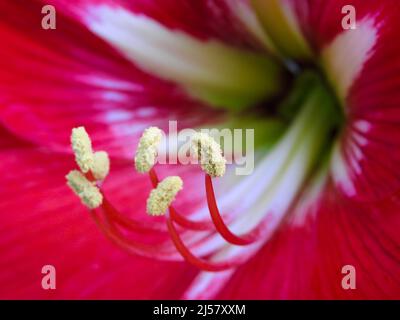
(248, 214)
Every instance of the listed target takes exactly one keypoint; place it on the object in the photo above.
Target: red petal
(321, 21)
(44, 223)
(53, 80)
(9, 141)
(216, 19)
(304, 260)
(370, 142)
(373, 114)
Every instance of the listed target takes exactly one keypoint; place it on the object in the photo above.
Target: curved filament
(189, 257)
(219, 223)
(178, 218)
(130, 246)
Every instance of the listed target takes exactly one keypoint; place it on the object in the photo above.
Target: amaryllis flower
(324, 103)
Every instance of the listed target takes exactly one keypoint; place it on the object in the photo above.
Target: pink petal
(304, 260)
(44, 223)
(9, 141)
(321, 21)
(212, 19)
(363, 67)
(371, 139)
(52, 81)
(355, 221)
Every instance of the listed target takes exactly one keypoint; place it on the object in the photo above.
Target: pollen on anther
(82, 147)
(101, 165)
(161, 197)
(208, 151)
(147, 151)
(89, 194)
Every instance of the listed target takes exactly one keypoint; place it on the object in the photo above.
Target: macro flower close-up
(304, 205)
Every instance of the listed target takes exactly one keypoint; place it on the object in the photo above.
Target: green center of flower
(273, 120)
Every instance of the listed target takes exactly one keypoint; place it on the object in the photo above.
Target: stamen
(154, 178)
(82, 147)
(178, 218)
(209, 153)
(146, 153)
(129, 223)
(189, 224)
(220, 224)
(101, 165)
(162, 251)
(89, 175)
(162, 197)
(189, 257)
(89, 194)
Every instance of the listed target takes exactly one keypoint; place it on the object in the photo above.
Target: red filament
(219, 222)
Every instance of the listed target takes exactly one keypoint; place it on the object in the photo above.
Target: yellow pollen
(89, 194)
(162, 197)
(101, 165)
(147, 151)
(208, 151)
(82, 147)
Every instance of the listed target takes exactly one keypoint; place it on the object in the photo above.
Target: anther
(82, 147)
(101, 165)
(161, 197)
(147, 151)
(89, 194)
(208, 151)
